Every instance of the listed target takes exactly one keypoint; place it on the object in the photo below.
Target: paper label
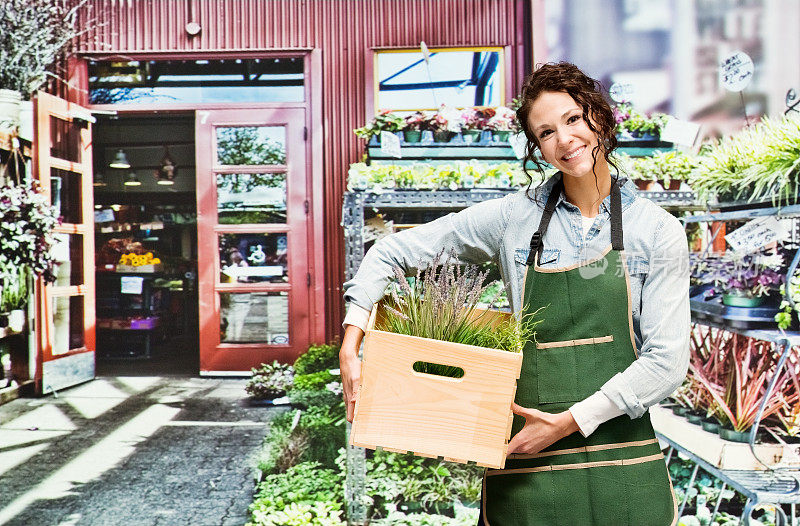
(390, 144)
(680, 132)
(130, 284)
(518, 143)
(756, 234)
(621, 91)
(736, 71)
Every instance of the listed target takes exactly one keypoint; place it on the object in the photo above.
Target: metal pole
(719, 500)
(688, 487)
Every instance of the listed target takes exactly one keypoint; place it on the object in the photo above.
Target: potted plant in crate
(473, 123)
(34, 34)
(445, 123)
(419, 339)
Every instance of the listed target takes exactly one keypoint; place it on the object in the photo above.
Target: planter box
(718, 452)
(141, 269)
(460, 419)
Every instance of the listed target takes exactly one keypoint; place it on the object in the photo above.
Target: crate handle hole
(437, 369)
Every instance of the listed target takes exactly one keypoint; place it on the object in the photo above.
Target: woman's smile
(573, 155)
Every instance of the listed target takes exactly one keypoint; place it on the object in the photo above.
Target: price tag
(130, 284)
(756, 234)
(390, 144)
(680, 132)
(621, 91)
(518, 143)
(736, 71)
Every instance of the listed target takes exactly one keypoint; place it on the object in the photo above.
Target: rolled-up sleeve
(665, 324)
(473, 234)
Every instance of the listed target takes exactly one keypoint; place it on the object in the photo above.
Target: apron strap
(616, 218)
(536, 240)
(537, 244)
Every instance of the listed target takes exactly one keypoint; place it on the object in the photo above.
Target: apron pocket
(572, 370)
(598, 496)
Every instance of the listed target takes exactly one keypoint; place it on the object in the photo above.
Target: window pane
(251, 198)
(251, 145)
(65, 189)
(257, 317)
(68, 252)
(455, 78)
(67, 324)
(253, 258)
(197, 81)
(65, 140)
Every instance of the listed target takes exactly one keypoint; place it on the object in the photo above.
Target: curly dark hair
(585, 91)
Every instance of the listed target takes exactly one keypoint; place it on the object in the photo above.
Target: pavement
(134, 451)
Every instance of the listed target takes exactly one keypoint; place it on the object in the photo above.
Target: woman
(614, 339)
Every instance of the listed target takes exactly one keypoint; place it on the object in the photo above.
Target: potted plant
(445, 123)
(671, 168)
(14, 293)
(746, 281)
(383, 121)
(473, 123)
(502, 122)
(35, 33)
(416, 123)
(269, 381)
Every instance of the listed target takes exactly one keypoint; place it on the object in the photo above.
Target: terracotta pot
(674, 184)
(643, 184)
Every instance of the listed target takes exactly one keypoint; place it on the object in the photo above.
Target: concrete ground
(134, 451)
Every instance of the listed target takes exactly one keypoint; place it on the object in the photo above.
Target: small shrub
(270, 380)
(317, 358)
(304, 398)
(313, 381)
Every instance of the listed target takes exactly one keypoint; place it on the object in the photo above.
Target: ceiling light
(120, 160)
(132, 180)
(99, 180)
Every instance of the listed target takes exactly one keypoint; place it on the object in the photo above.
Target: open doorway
(146, 244)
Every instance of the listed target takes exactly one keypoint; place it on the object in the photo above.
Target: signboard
(756, 234)
(390, 144)
(736, 71)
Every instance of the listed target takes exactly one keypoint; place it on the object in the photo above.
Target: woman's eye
(544, 134)
(573, 119)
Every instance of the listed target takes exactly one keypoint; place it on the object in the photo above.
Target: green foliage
(310, 398)
(384, 121)
(317, 358)
(313, 381)
(270, 380)
(244, 145)
(306, 493)
(13, 287)
(441, 305)
(428, 176)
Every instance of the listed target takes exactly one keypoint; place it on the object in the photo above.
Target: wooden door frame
(315, 180)
(43, 162)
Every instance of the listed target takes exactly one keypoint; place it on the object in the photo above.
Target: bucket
(10, 102)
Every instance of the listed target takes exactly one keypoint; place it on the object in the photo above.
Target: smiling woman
(614, 334)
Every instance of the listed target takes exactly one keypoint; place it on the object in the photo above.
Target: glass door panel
(252, 237)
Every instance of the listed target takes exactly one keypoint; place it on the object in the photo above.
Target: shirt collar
(627, 193)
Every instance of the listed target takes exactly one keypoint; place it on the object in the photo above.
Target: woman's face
(565, 140)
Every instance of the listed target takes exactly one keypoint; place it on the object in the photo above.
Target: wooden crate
(462, 420)
(723, 454)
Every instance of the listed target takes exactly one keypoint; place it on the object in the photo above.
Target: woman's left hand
(541, 429)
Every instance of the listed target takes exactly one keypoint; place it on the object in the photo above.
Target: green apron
(617, 476)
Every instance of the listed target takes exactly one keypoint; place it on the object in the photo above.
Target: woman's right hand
(350, 367)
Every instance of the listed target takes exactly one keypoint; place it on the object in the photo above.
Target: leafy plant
(313, 381)
(317, 358)
(35, 33)
(13, 287)
(751, 275)
(270, 380)
(441, 305)
(384, 121)
(305, 494)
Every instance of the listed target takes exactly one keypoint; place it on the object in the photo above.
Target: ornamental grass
(442, 304)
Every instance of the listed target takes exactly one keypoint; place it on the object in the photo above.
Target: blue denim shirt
(500, 230)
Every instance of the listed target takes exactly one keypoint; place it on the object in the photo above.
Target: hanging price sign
(736, 71)
(756, 234)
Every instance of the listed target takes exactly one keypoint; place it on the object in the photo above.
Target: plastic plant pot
(740, 300)
(501, 136)
(734, 436)
(442, 136)
(412, 135)
(710, 425)
(694, 418)
(471, 136)
(679, 410)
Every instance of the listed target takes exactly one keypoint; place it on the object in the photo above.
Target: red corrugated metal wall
(343, 30)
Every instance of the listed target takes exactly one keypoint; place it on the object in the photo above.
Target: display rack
(774, 486)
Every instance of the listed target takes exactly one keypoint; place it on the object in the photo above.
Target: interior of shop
(145, 244)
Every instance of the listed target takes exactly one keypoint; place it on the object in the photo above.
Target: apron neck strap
(537, 244)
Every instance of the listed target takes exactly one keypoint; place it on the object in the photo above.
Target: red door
(252, 210)
(65, 314)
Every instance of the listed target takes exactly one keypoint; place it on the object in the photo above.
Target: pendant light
(132, 180)
(165, 175)
(120, 160)
(99, 180)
